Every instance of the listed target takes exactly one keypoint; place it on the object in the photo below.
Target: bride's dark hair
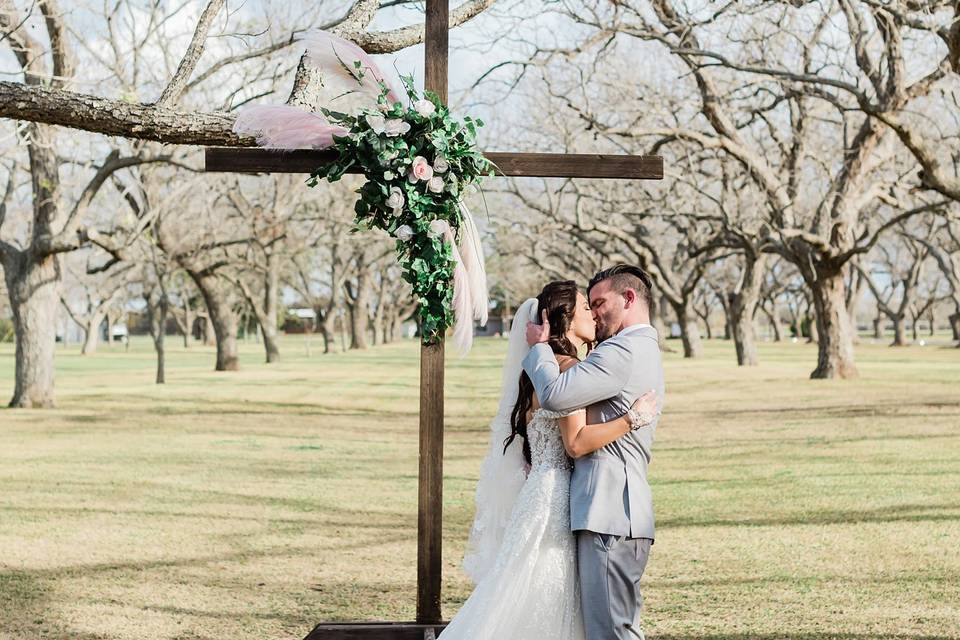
(559, 299)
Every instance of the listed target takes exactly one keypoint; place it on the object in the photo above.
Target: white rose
(376, 122)
(403, 233)
(395, 200)
(395, 127)
(440, 165)
(435, 184)
(388, 175)
(424, 107)
(438, 227)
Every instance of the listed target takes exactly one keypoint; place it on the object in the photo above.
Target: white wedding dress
(531, 591)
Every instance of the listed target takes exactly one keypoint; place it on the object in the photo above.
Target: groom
(611, 507)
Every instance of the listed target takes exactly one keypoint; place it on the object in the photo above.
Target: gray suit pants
(610, 569)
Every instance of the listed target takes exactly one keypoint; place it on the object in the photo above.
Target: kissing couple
(564, 520)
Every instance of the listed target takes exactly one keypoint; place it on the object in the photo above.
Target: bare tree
(762, 86)
(901, 262)
(100, 292)
(277, 227)
(944, 247)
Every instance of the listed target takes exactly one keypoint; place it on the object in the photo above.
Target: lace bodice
(546, 444)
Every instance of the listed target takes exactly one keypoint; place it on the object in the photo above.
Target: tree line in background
(811, 151)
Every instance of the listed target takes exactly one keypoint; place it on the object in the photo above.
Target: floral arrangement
(418, 161)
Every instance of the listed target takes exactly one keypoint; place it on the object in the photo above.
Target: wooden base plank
(375, 631)
(544, 165)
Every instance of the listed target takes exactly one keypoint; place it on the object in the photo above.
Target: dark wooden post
(430, 507)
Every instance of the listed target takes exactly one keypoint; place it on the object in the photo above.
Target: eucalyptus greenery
(418, 161)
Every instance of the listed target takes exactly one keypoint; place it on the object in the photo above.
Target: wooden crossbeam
(544, 165)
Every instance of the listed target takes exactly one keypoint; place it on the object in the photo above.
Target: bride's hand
(646, 404)
(537, 333)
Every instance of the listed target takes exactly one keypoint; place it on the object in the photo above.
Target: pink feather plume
(286, 127)
(332, 52)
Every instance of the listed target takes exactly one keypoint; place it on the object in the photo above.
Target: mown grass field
(257, 503)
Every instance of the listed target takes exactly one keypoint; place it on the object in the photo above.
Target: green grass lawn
(254, 504)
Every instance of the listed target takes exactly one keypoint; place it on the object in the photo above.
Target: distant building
(301, 320)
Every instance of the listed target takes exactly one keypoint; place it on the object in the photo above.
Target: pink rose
(420, 170)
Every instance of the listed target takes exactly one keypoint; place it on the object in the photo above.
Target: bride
(521, 553)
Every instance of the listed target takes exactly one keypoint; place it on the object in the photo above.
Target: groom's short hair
(623, 277)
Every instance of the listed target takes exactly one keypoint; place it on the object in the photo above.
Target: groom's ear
(629, 297)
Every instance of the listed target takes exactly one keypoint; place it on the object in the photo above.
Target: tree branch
(116, 117)
(171, 94)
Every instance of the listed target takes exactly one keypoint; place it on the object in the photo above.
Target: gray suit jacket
(609, 492)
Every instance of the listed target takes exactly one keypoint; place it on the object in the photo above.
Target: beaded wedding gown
(531, 591)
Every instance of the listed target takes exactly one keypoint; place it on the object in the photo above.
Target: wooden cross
(430, 505)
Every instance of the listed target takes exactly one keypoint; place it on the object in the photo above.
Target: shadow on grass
(20, 582)
(924, 578)
(897, 513)
(361, 521)
(809, 440)
(25, 609)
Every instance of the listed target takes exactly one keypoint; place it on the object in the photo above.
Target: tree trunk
(328, 327)
(834, 333)
(813, 331)
(744, 330)
(359, 315)
(92, 337)
(34, 291)
(955, 326)
(743, 306)
(110, 323)
(853, 299)
(158, 328)
(775, 325)
(656, 319)
(377, 324)
(878, 326)
(208, 330)
(899, 331)
(396, 327)
(221, 315)
(689, 331)
(187, 322)
(343, 330)
(267, 316)
(932, 319)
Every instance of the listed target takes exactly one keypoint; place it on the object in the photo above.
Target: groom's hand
(537, 333)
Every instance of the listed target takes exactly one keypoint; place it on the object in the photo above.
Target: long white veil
(502, 473)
